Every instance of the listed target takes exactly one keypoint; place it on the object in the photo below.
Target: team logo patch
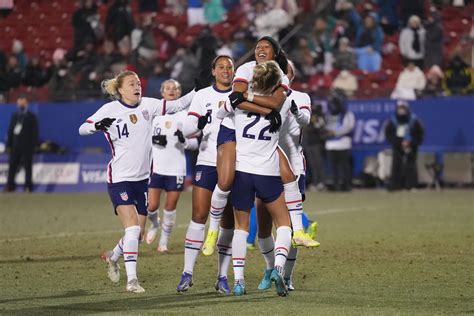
(124, 196)
(168, 124)
(221, 104)
(133, 118)
(146, 115)
(198, 175)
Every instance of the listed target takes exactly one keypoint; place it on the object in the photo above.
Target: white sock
(239, 251)
(153, 217)
(192, 245)
(290, 262)
(224, 247)
(282, 247)
(169, 221)
(294, 202)
(117, 252)
(218, 203)
(267, 245)
(130, 251)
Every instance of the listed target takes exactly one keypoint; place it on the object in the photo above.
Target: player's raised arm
(301, 112)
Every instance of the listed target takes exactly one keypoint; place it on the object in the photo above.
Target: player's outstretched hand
(180, 136)
(236, 98)
(275, 121)
(203, 120)
(159, 140)
(104, 124)
(294, 107)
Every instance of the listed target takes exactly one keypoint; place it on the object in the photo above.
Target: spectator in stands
(85, 23)
(345, 57)
(205, 46)
(107, 57)
(458, 77)
(346, 82)
(19, 52)
(5, 8)
(433, 40)
(143, 39)
(184, 67)
(272, 21)
(412, 42)
(434, 79)
(315, 151)
(340, 123)
(35, 74)
(309, 67)
(195, 12)
(368, 41)
(214, 11)
(61, 84)
(22, 140)
(155, 81)
(410, 83)
(388, 12)
(168, 45)
(13, 73)
(119, 22)
(405, 133)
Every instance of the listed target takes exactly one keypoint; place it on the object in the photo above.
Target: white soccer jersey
(206, 100)
(130, 134)
(291, 131)
(256, 146)
(171, 159)
(245, 74)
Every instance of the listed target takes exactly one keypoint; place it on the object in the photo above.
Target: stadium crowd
(403, 48)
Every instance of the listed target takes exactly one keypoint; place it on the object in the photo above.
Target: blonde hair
(266, 77)
(111, 86)
(176, 83)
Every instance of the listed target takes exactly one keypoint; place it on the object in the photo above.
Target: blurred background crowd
(407, 49)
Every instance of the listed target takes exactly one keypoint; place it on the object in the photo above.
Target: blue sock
(306, 220)
(253, 226)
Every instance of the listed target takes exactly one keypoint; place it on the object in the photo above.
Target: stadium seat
(457, 168)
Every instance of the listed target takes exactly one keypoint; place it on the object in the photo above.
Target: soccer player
(202, 117)
(127, 125)
(266, 49)
(169, 166)
(258, 176)
(290, 142)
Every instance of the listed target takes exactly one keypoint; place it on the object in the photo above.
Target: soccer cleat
(239, 288)
(266, 282)
(312, 230)
(134, 287)
(113, 270)
(151, 234)
(279, 283)
(289, 284)
(185, 283)
(300, 238)
(210, 242)
(222, 286)
(162, 249)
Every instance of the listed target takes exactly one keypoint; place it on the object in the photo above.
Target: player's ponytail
(110, 86)
(266, 76)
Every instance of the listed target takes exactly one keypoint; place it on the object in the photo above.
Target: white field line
(99, 233)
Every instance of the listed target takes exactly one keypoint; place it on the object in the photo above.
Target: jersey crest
(146, 115)
(198, 176)
(133, 118)
(124, 196)
(221, 104)
(168, 124)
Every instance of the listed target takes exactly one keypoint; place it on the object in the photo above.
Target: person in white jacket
(411, 82)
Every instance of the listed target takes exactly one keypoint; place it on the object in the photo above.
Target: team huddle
(247, 127)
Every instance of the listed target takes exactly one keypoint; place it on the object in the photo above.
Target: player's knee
(199, 217)
(225, 182)
(153, 206)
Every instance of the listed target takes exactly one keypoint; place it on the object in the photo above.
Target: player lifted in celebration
(258, 176)
(127, 126)
(169, 166)
(202, 116)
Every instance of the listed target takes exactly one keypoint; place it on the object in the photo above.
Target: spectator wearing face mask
(412, 42)
(340, 124)
(405, 133)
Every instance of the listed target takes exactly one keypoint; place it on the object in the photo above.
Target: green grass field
(381, 253)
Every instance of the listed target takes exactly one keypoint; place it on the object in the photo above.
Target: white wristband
(250, 96)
